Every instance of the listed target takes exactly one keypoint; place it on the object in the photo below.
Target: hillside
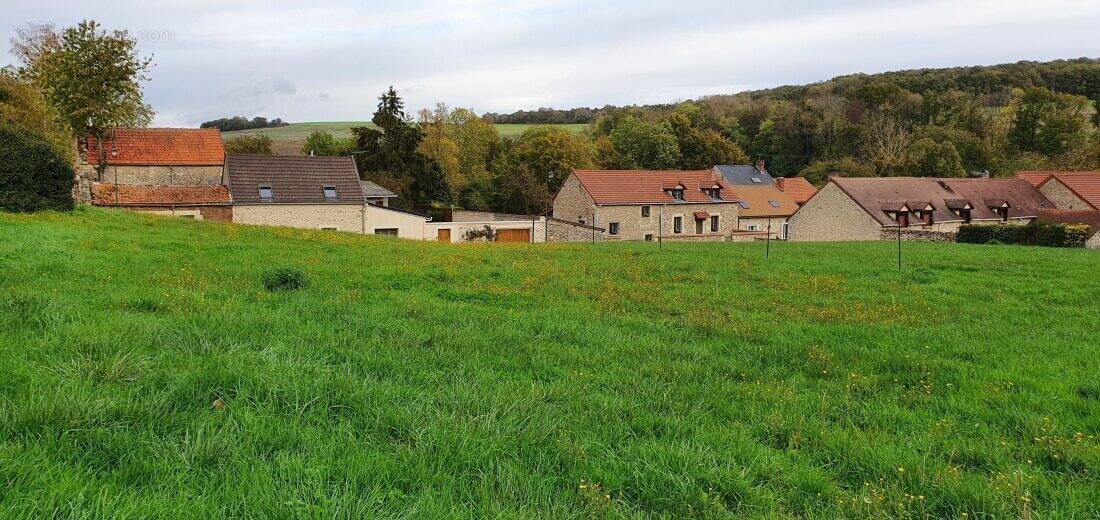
(288, 140)
(538, 381)
(1079, 76)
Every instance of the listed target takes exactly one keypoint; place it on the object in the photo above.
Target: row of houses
(745, 203)
(186, 173)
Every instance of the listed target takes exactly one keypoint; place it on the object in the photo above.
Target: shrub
(477, 234)
(33, 175)
(1034, 234)
(284, 279)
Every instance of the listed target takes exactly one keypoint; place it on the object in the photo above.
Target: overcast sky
(328, 61)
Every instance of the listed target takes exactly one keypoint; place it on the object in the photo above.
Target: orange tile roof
(648, 186)
(103, 194)
(759, 200)
(161, 146)
(1085, 184)
(1034, 177)
(797, 188)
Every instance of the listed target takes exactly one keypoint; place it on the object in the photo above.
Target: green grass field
(425, 380)
(288, 140)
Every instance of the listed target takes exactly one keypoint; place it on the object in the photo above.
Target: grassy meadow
(146, 373)
(288, 140)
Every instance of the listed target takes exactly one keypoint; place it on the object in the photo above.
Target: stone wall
(572, 203)
(761, 225)
(918, 235)
(831, 215)
(559, 230)
(219, 213)
(661, 221)
(1063, 197)
(341, 217)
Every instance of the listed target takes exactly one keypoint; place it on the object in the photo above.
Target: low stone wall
(918, 235)
(558, 230)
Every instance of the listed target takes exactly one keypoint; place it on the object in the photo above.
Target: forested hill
(930, 122)
(1079, 76)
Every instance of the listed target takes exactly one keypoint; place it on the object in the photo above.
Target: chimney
(760, 166)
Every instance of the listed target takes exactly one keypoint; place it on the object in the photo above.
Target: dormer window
(329, 191)
(266, 193)
(676, 193)
(926, 214)
(965, 214)
(903, 218)
(714, 192)
(1002, 210)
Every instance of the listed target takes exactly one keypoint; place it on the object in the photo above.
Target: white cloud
(331, 60)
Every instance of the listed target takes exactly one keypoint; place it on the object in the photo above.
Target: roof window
(773, 203)
(756, 180)
(266, 193)
(743, 203)
(330, 192)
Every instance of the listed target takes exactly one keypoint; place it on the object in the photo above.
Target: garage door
(514, 235)
(443, 235)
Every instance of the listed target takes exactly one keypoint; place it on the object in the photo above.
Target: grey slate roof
(374, 191)
(293, 179)
(743, 174)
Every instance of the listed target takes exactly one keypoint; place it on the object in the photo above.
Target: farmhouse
(764, 206)
(1067, 190)
(152, 157)
(861, 208)
(650, 205)
(314, 193)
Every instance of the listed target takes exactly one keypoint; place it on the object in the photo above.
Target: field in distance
(288, 140)
(145, 372)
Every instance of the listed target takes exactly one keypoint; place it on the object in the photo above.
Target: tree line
(230, 124)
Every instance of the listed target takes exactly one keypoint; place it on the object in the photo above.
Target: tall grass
(146, 372)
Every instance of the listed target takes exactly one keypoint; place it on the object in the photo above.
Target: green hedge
(33, 175)
(1033, 234)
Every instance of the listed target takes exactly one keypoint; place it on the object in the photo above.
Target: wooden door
(443, 235)
(514, 235)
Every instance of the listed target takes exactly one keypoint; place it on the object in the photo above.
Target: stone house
(861, 208)
(763, 203)
(151, 157)
(313, 193)
(194, 202)
(1067, 190)
(650, 205)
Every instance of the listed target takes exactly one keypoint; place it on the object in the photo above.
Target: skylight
(266, 193)
(774, 203)
(743, 203)
(757, 180)
(330, 192)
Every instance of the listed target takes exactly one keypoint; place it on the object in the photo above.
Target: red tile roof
(648, 186)
(155, 196)
(1034, 177)
(1085, 184)
(764, 201)
(797, 188)
(161, 147)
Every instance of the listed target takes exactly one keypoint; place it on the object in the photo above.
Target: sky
(329, 61)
